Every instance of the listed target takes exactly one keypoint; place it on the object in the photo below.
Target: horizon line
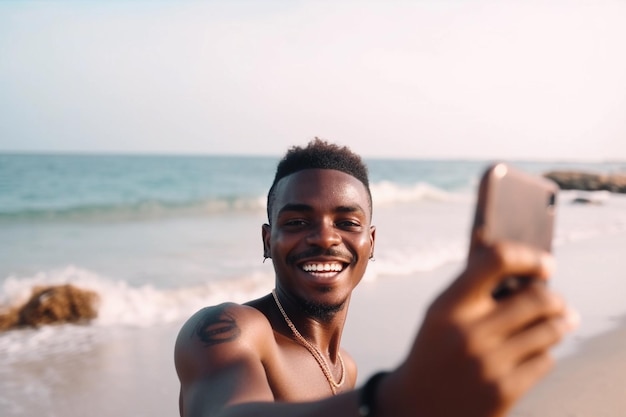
(366, 156)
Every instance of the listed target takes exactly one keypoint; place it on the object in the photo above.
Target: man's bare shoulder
(216, 349)
(219, 333)
(222, 323)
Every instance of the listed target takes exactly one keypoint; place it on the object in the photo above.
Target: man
(280, 355)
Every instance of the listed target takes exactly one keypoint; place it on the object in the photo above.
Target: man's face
(320, 237)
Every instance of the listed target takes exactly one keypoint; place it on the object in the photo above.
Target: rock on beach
(586, 181)
(52, 304)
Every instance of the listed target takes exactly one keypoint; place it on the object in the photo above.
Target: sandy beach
(590, 377)
(591, 383)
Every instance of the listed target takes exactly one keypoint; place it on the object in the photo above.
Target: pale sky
(423, 78)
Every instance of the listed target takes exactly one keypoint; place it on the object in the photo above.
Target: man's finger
(542, 335)
(526, 374)
(530, 304)
(489, 265)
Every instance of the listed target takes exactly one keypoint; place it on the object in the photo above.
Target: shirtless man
(281, 355)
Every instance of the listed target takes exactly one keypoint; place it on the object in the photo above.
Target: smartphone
(515, 205)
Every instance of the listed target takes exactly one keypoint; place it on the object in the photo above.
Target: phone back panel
(514, 205)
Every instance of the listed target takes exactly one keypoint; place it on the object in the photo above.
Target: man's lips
(318, 256)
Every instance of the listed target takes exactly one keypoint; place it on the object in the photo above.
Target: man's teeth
(322, 267)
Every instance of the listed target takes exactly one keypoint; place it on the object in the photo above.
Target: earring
(372, 258)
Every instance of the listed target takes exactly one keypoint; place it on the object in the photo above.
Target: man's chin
(321, 311)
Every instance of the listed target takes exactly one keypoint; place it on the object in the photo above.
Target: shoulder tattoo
(217, 326)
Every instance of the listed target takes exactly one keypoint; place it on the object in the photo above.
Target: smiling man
(281, 355)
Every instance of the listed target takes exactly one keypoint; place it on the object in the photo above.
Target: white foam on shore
(411, 260)
(122, 304)
(386, 193)
(119, 305)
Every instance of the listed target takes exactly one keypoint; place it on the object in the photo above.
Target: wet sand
(591, 383)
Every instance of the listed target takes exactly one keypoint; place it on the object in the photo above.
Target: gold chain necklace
(314, 351)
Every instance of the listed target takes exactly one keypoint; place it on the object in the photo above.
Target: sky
(411, 79)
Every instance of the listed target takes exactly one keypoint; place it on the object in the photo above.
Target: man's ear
(266, 232)
(372, 240)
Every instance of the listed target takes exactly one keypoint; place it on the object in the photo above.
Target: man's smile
(322, 267)
(323, 270)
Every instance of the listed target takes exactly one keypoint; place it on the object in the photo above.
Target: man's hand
(475, 356)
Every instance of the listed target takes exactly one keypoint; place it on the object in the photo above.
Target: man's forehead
(329, 180)
(317, 188)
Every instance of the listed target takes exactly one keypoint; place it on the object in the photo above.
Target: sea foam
(141, 306)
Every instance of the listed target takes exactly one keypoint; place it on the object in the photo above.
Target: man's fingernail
(572, 319)
(548, 264)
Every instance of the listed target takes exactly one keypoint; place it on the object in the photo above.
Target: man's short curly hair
(319, 154)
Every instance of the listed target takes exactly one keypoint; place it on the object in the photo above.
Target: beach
(139, 141)
(590, 376)
(590, 383)
(156, 261)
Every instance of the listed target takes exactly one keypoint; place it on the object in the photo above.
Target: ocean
(158, 237)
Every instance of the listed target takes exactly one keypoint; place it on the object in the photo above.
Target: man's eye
(295, 223)
(349, 224)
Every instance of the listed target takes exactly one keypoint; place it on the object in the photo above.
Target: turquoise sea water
(118, 187)
(92, 187)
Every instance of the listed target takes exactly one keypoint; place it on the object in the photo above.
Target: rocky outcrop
(586, 181)
(52, 305)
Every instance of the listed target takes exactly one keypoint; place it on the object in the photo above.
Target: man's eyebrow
(305, 207)
(295, 207)
(350, 209)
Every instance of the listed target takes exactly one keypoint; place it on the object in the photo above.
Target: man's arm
(473, 356)
(218, 358)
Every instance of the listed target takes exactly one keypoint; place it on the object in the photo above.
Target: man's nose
(325, 235)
